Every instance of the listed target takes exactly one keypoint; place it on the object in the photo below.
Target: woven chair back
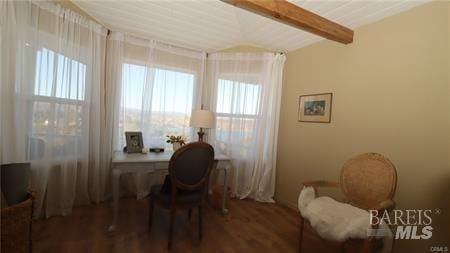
(368, 179)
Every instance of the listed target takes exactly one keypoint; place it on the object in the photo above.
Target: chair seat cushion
(336, 221)
(183, 197)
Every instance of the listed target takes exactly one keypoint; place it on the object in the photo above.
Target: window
(156, 101)
(59, 76)
(58, 99)
(238, 107)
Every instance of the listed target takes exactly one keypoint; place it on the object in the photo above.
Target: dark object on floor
(15, 182)
(189, 170)
(16, 217)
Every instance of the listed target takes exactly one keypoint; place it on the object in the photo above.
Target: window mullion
(55, 74)
(52, 111)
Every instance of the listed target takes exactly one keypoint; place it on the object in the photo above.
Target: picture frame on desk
(134, 141)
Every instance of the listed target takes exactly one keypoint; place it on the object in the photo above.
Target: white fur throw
(337, 221)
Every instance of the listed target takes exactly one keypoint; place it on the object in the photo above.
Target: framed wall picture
(315, 108)
(135, 143)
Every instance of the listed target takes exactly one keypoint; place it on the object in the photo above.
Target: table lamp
(203, 119)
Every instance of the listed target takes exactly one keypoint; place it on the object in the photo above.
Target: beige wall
(390, 95)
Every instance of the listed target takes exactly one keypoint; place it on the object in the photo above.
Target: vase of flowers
(176, 141)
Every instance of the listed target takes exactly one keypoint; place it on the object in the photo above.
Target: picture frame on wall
(134, 141)
(315, 108)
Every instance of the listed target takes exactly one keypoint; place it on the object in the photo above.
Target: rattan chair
(368, 181)
(189, 170)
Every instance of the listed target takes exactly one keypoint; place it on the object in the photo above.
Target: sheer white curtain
(51, 87)
(244, 89)
(154, 89)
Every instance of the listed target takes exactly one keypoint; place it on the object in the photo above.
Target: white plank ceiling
(212, 25)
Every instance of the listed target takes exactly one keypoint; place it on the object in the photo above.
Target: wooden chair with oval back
(368, 182)
(189, 170)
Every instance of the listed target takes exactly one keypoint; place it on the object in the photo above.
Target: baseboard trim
(287, 204)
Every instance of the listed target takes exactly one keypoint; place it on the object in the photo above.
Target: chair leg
(200, 222)
(150, 212)
(172, 218)
(368, 245)
(343, 247)
(302, 223)
(189, 213)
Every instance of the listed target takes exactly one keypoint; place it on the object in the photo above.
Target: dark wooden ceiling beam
(293, 15)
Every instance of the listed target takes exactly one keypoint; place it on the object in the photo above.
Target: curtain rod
(206, 53)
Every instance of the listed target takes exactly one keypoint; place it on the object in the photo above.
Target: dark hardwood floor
(248, 227)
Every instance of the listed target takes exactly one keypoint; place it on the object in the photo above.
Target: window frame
(52, 100)
(231, 77)
(168, 68)
(256, 117)
(163, 67)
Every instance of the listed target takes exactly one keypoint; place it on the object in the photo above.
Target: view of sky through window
(238, 97)
(172, 91)
(155, 101)
(59, 76)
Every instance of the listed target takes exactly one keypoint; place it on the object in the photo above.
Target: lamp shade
(202, 118)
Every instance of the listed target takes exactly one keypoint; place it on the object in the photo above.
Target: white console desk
(151, 163)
